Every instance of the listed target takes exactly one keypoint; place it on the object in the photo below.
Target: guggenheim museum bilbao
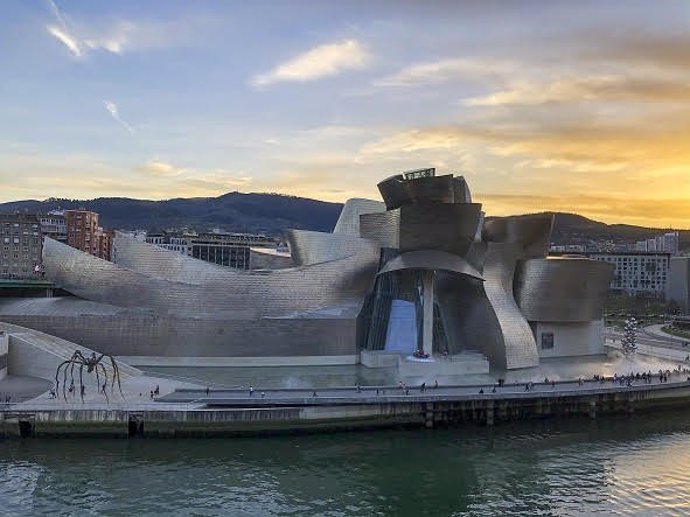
(423, 276)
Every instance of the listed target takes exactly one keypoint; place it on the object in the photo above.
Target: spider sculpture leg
(116, 374)
(71, 372)
(64, 379)
(81, 382)
(105, 383)
(98, 381)
(57, 374)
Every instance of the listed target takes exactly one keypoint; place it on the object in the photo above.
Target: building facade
(638, 273)
(53, 225)
(220, 248)
(420, 280)
(679, 284)
(85, 234)
(22, 246)
(666, 243)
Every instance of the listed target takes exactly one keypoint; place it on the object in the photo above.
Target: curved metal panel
(232, 294)
(156, 262)
(440, 226)
(430, 260)
(392, 191)
(532, 233)
(518, 348)
(562, 289)
(309, 247)
(261, 258)
(383, 228)
(432, 189)
(461, 191)
(397, 191)
(348, 222)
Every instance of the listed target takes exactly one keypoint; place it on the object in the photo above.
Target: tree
(629, 340)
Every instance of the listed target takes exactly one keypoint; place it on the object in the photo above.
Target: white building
(639, 272)
(666, 243)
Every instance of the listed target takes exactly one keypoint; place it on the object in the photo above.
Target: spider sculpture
(93, 364)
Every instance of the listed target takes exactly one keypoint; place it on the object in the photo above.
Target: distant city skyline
(544, 105)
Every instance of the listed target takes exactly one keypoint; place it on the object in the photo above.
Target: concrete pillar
(429, 415)
(592, 409)
(490, 413)
(428, 320)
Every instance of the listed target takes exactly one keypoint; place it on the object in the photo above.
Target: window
(547, 340)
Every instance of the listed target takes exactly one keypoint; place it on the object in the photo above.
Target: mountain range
(271, 214)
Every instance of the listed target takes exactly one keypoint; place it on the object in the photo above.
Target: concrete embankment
(230, 413)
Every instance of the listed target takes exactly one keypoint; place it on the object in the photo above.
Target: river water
(637, 465)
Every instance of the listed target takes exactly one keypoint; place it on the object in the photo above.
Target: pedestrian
(422, 388)
(157, 391)
(151, 394)
(208, 390)
(377, 392)
(481, 391)
(251, 390)
(359, 388)
(313, 395)
(493, 389)
(83, 390)
(435, 384)
(407, 391)
(263, 394)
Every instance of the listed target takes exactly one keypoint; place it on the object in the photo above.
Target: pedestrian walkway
(655, 331)
(429, 393)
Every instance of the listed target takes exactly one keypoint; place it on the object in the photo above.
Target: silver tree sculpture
(629, 341)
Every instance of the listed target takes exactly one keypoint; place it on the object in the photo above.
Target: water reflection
(633, 466)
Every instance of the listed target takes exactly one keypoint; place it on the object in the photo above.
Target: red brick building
(84, 233)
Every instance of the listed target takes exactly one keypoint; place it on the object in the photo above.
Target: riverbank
(198, 412)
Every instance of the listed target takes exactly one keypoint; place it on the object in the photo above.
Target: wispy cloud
(120, 36)
(79, 42)
(157, 167)
(596, 88)
(447, 69)
(322, 61)
(114, 112)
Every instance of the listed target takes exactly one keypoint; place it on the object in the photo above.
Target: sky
(542, 105)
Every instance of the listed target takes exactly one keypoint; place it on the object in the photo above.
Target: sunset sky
(543, 105)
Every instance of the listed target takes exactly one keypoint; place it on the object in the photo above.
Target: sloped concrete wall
(4, 345)
(28, 360)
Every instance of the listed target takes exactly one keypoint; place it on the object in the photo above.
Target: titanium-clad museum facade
(422, 274)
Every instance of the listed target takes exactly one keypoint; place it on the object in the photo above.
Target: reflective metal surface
(531, 233)
(439, 226)
(231, 294)
(397, 191)
(562, 289)
(518, 347)
(348, 222)
(431, 260)
(458, 282)
(309, 248)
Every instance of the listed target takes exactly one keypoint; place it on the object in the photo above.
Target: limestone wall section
(4, 346)
(143, 334)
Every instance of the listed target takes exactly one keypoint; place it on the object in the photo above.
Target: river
(637, 465)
